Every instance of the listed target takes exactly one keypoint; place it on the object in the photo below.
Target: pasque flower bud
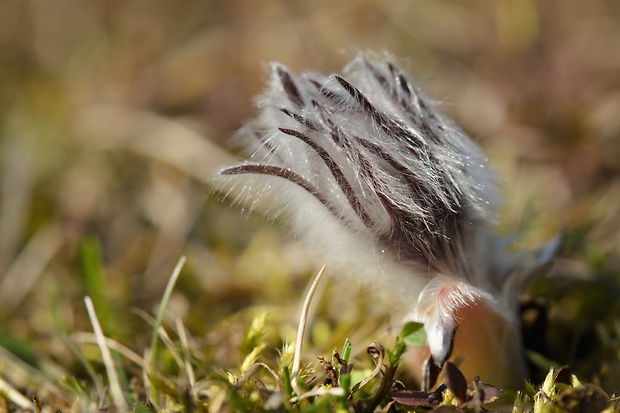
(379, 183)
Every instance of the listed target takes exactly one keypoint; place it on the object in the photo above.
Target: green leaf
(346, 350)
(413, 334)
(94, 276)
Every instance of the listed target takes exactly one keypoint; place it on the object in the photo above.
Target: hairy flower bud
(378, 182)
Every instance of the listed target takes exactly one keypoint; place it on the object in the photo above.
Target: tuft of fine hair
(369, 169)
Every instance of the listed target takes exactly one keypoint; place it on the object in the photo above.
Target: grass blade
(115, 386)
(165, 299)
(301, 329)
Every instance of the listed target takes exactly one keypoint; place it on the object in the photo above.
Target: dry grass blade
(163, 336)
(14, 396)
(95, 378)
(301, 329)
(252, 370)
(113, 344)
(191, 377)
(376, 351)
(333, 391)
(23, 370)
(154, 137)
(29, 265)
(115, 385)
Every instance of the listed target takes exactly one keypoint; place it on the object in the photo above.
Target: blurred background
(114, 115)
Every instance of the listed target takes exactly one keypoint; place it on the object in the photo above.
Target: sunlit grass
(282, 379)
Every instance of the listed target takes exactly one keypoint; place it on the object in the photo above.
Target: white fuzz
(381, 185)
(438, 308)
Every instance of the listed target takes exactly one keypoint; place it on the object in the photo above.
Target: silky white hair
(381, 184)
